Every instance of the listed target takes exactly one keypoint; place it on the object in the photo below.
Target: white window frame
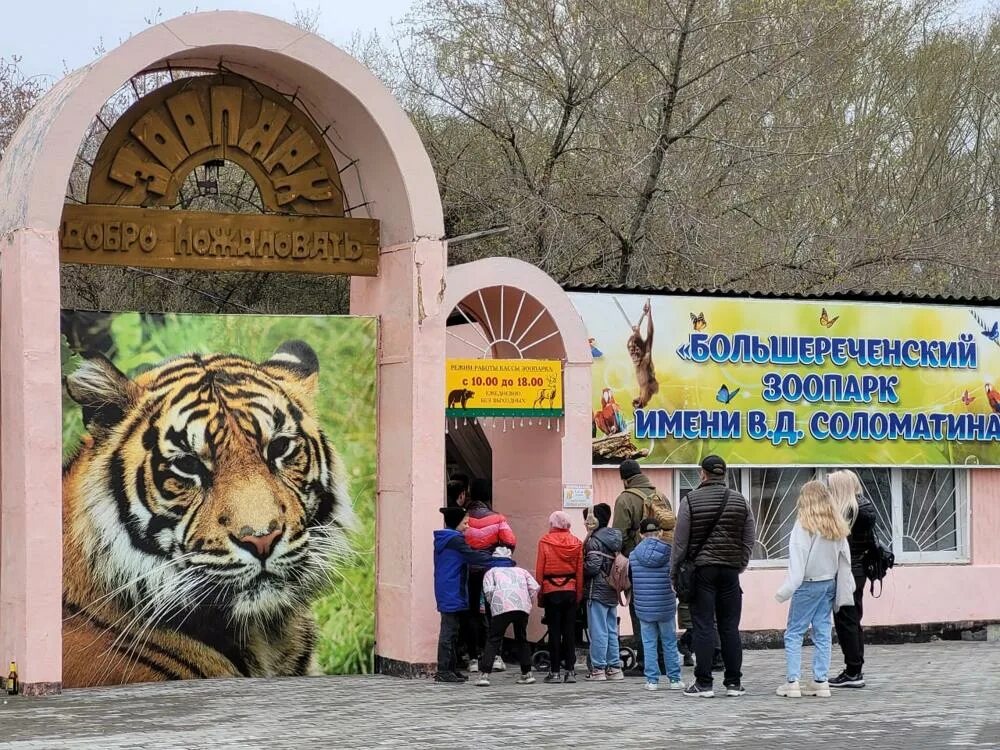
(958, 556)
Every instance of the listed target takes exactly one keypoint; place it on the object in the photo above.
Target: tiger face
(206, 486)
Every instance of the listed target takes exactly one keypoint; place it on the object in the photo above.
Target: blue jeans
(602, 623)
(812, 604)
(666, 634)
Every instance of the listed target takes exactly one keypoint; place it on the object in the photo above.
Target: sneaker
(552, 677)
(462, 677)
(597, 675)
(483, 681)
(789, 690)
(652, 686)
(526, 679)
(473, 665)
(697, 691)
(447, 677)
(615, 674)
(569, 677)
(735, 691)
(817, 689)
(676, 685)
(498, 665)
(847, 680)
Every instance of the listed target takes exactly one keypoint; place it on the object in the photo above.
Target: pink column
(30, 484)
(407, 297)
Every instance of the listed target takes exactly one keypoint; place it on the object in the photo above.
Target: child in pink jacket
(509, 591)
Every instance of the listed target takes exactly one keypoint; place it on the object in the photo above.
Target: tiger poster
(218, 496)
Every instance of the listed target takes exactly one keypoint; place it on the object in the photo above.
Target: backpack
(877, 562)
(654, 505)
(619, 578)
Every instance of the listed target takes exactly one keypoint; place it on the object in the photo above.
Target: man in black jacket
(720, 550)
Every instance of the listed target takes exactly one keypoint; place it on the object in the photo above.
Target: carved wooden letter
(227, 103)
(152, 131)
(293, 152)
(190, 120)
(132, 168)
(313, 184)
(259, 139)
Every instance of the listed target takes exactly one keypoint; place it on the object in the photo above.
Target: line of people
(648, 552)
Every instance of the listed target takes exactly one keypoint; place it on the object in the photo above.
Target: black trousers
(498, 626)
(636, 631)
(849, 631)
(447, 641)
(717, 599)
(476, 625)
(560, 617)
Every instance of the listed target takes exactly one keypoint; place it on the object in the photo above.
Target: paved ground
(931, 696)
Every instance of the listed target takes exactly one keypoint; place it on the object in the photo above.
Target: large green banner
(782, 382)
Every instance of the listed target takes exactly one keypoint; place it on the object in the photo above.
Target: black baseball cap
(649, 525)
(714, 465)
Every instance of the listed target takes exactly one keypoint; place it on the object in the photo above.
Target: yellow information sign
(503, 388)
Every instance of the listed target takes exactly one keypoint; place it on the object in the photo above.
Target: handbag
(684, 585)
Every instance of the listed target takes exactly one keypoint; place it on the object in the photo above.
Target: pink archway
(534, 318)
(394, 179)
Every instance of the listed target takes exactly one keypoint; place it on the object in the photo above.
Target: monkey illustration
(641, 352)
(459, 395)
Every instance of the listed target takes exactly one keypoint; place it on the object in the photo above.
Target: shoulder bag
(684, 585)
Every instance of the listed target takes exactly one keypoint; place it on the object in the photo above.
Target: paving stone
(928, 696)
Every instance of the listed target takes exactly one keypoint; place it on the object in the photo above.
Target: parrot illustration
(609, 419)
(993, 396)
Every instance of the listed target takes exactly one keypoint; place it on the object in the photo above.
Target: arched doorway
(501, 308)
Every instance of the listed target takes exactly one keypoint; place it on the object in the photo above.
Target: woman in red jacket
(559, 570)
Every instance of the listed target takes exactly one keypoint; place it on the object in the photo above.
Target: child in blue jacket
(655, 604)
(452, 556)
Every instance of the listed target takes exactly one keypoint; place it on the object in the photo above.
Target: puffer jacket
(730, 543)
(559, 565)
(862, 534)
(598, 555)
(488, 529)
(509, 589)
(452, 557)
(654, 597)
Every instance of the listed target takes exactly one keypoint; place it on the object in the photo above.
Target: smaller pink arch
(466, 279)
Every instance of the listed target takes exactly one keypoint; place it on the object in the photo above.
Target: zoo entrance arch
(520, 312)
(394, 179)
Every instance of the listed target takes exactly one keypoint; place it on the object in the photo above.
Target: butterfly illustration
(725, 395)
(826, 321)
(993, 334)
(967, 399)
(698, 321)
(594, 351)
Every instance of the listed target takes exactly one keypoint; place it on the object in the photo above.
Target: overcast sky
(52, 35)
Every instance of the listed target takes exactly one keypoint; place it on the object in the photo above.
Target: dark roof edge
(876, 296)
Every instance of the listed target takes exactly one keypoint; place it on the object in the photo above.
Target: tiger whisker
(156, 607)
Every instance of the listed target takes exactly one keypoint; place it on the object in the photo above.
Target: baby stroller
(540, 657)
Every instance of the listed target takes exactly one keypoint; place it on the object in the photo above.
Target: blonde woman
(817, 555)
(859, 511)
